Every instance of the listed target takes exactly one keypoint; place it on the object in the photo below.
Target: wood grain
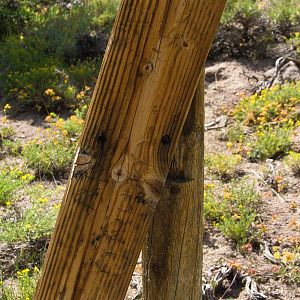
(172, 256)
(140, 103)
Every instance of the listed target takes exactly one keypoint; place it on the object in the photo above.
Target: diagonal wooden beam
(140, 103)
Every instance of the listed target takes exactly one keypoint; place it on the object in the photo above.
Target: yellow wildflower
(277, 255)
(49, 92)
(43, 200)
(229, 145)
(7, 106)
(36, 269)
(56, 98)
(57, 206)
(288, 257)
(25, 271)
(236, 217)
(48, 119)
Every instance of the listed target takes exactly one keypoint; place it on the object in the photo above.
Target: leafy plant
(233, 209)
(54, 155)
(281, 11)
(14, 16)
(271, 142)
(48, 158)
(293, 161)
(276, 105)
(11, 179)
(234, 9)
(235, 134)
(36, 221)
(223, 166)
(22, 288)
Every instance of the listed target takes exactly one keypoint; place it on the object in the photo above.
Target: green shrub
(107, 12)
(293, 161)
(36, 221)
(53, 155)
(61, 51)
(246, 9)
(12, 147)
(281, 11)
(222, 165)
(236, 133)
(22, 288)
(213, 209)
(276, 104)
(14, 16)
(233, 209)
(21, 54)
(49, 88)
(10, 181)
(49, 158)
(294, 41)
(271, 142)
(8, 144)
(84, 73)
(6, 132)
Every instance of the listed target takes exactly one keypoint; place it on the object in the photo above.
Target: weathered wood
(172, 256)
(140, 103)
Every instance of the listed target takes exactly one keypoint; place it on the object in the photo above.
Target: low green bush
(53, 155)
(22, 288)
(49, 158)
(224, 166)
(233, 209)
(270, 142)
(284, 11)
(240, 9)
(60, 51)
(49, 88)
(15, 16)
(11, 179)
(36, 221)
(276, 104)
(293, 161)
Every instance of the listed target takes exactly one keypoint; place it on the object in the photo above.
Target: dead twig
(266, 184)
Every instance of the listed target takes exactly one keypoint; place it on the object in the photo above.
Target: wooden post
(140, 103)
(172, 257)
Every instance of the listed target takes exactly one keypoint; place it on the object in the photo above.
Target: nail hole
(166, 140)
(148, 68)
(185, 44)
(102, 138)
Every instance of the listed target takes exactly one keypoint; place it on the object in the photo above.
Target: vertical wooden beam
(172, 257)
(140, 103)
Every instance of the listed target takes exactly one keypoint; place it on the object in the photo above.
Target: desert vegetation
(50, 56)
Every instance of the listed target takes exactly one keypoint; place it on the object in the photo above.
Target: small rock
(290, 72)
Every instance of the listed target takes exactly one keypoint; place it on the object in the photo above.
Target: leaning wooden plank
(141, 100)
(172, 256)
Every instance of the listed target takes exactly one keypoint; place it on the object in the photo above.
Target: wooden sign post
(140, 103)
(172, 256)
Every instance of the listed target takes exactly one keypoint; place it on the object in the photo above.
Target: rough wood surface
(172, 256)
(140, 103)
